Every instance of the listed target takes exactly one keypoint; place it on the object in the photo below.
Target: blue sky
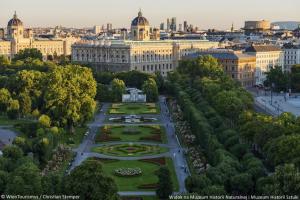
(202, 13)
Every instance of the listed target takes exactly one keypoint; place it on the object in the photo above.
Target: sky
(219, 14)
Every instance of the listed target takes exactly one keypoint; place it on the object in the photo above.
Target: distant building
(180, 28)
(19, 38)
(267, 57)
(162, 26)
(97, 30)
(109, 27)
(173, 25)
(185, 26)
(257, 26)
(239, 66)
(168, 24)
(144, 52)
(291, 56)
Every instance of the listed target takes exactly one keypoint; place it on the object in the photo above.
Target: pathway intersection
(176, 152)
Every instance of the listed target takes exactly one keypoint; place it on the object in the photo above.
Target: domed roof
(15, 21)
(140, 20)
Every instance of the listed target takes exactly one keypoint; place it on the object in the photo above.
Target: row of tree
(234, 169)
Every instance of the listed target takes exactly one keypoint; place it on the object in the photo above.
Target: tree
(4, 61)
(285, 181)
(295, 78)
(52, 183)
(13, 109)
(103, 93)
(45, 121)
(160, 81)
(195, 184)
(134, 78)
(25, 103)
(118, 89)
(88, 181)
(229, 104)
(213, 190)
(151, 90)
(28, 53)
(241, 184)
(4, 176)
(202, 66)
(165, 184)
(24, 180)
(5, 98)
(69, 95)
(277, 77)
(284, 149)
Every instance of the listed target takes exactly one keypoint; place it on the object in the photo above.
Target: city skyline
(205, 15)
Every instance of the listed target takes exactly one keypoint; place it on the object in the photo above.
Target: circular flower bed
(130, 149)
(128, 171)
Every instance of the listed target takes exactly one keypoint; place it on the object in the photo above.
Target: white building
(291, 56)
(267, 57)
(144, 52)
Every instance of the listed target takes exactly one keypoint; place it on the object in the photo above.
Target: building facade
(18, 38)
(239, 66)
(267, 57)
(257, 26)
(291, 56)
(144, 52)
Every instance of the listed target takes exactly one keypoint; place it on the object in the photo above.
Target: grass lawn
(134, 108)
(132, 183)
(152, 133)
(4, 121)
(75, 139)
(130, 150)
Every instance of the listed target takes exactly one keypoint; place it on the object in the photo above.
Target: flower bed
(106, 138)
(156, 161)
(155, 138)
(103, 160)
(128, 171)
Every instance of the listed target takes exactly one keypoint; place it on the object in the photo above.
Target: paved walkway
(176, 151)
(279, 104)
(7, 136)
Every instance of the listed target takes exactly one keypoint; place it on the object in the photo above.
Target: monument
(133, 95)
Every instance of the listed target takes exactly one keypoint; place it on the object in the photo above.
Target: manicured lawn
(132, 183)
(134, 108)
(130, 150)
(151, 133)
(4, 121)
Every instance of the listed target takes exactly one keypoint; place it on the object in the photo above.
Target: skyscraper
(168, 24)
(185, 26)
(173, 24)
(97, 29)
(180, 28)
(109, 27)
(162, 26)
